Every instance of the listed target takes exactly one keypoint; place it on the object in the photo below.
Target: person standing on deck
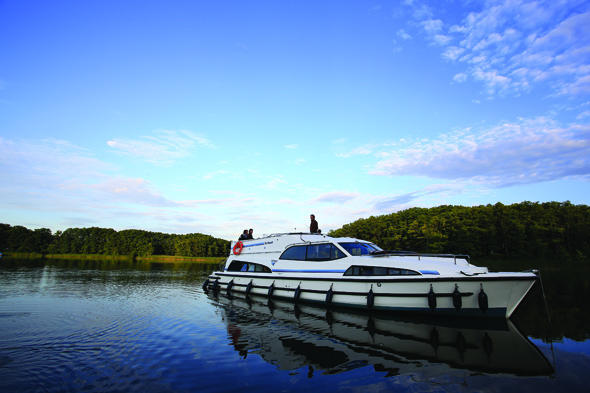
(313, 226)
(244, 235)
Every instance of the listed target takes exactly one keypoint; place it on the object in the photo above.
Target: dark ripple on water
(98, 331)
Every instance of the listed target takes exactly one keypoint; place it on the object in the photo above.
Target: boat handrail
(421, 254)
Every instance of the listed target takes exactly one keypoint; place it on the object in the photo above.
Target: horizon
(185, 117)
(262, 235)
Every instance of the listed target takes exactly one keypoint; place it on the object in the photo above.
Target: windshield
(356, 249)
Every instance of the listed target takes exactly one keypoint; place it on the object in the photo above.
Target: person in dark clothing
(244, 235)
(313, 226)
(251, 234)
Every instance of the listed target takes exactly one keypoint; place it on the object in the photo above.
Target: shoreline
(101, 257)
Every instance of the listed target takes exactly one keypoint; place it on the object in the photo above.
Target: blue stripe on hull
(306, 271)
(252, 245)
(436, 273)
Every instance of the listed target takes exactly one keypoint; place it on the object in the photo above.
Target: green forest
(526, 229)
(107, 241)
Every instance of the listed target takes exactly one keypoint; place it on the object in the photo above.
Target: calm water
(108, 327)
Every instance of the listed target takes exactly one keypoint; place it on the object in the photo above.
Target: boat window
(336, 253)
(323, 252)
(376, 247)
(313, 252)
(241, 266)
(378, 271)
(356, 249)
(296, 253)
(235, 266)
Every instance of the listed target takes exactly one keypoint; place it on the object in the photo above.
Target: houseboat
(349, 272)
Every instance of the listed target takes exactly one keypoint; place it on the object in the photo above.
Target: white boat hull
(503, 291)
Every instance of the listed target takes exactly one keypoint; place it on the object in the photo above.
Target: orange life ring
(238, 248)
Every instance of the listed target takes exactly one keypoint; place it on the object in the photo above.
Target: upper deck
(270, 252)
(277, 243)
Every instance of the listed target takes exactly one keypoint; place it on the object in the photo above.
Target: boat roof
(303, 237)
(278, 242)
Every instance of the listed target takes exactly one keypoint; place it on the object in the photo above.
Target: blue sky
(213, 117)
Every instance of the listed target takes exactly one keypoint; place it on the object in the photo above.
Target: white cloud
(441, 39)
(274, 182)
(421, 11)
(432, 26)
(527, 151)
(53, 175)
(579, 86)
(494, 82)
(487, 41)
(291, 146)
(460, 77)
(49, 160)
(453, 52)
(57, 179)
(357, 151)
(400, 201)
(214, 174)
(128, 190)
(339, 141)
(401, 33)
(338, 197)
(457, 29)
(162, 148)
(513, 46)
(228, 201)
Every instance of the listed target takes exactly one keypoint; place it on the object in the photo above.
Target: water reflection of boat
(332, 341)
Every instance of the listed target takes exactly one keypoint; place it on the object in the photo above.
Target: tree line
(526, 229)
(107, 241)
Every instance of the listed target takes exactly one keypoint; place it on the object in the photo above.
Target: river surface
(124, 327)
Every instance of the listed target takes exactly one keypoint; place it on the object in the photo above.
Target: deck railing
(385, 253)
